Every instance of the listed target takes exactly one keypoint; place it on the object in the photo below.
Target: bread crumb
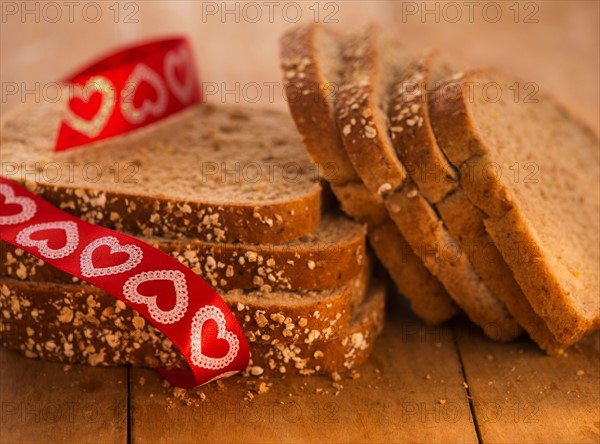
(262, 387)
(442, 401)
(384, 188)
(311, 265)
(370, 132)
(580, 372)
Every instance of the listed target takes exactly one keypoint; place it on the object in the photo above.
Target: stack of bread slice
(229, 192)
(399, 131)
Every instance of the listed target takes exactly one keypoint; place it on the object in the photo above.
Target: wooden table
(422, 384)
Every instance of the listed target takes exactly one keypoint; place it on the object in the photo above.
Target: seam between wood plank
(467, 388)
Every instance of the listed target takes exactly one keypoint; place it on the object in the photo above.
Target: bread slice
(371, 71)
(411, 131)
(271, 317)
(465, 223)
(219, 173)
(329, 258)
(98, 339)
(361, 108)
(310, 59)
(544, 220)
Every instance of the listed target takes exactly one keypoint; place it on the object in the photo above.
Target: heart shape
(94, 126)
(89, 270)
(28, 207)
(180, 58)
(164, 317)
(142, 73)
(210, 312)
(72, 239)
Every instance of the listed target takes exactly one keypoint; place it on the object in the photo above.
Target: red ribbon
(128, 89)
(165, 292)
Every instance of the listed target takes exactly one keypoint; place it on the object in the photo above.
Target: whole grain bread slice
(219, 173)
(361, 107)
(310, 59)
(372, 69)
(273, 317)
(411, 130)
(102, 340)
(544, 220)
(328, 258)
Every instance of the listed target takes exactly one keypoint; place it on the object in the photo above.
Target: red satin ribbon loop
(128, 89)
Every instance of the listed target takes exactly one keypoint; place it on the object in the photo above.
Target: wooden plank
(397, 398)
(521, 395)
(41, 402)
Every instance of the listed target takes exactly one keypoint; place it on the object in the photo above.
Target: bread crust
(411, 130)
(361, 121)
(273, 223)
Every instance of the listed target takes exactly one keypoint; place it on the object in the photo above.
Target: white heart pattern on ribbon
(89, 270)
(180, 58)
(71, 236)
(28, 207)
(210, 312)
(181, 294)
(142, 73)
(94, 126)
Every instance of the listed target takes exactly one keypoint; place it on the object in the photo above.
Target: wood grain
(522, 395)
(42, 403)
(410, 390)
